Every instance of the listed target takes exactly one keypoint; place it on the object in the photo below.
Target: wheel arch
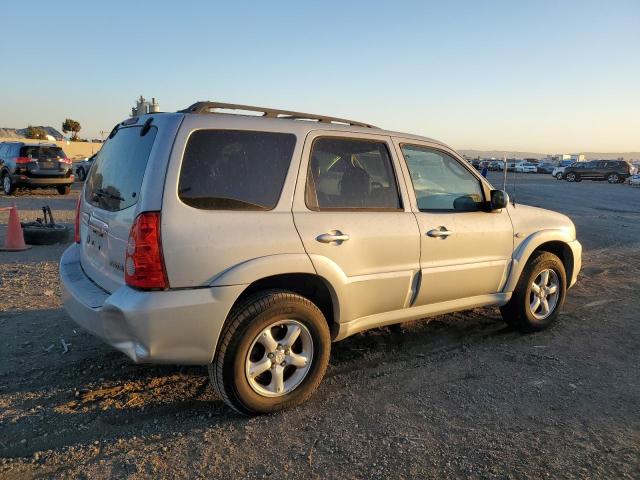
(561, 250)
(556, 241)
(309, 285)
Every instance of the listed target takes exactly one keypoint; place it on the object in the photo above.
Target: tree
(72, 126)
(37, 133)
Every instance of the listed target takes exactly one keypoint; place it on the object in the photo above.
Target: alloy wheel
(544, 294)
(279, 358)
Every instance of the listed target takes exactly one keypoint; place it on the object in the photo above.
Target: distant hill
(20, 132)
(512, 154)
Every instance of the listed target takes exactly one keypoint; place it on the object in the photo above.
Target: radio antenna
(504, 179)
(513, 200)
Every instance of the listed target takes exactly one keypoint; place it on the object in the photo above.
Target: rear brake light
(76, 234)
(23, 160)
(65, 160)
(144, 263)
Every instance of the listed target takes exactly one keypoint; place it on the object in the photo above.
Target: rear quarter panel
(200, 246)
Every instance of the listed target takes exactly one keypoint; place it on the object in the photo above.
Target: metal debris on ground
(65, 345)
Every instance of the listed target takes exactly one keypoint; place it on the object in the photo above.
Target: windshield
(116, 176)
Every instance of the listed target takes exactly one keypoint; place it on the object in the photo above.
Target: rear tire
(266, 319)
(559, 176)
(63, 189)
(81, 174)
(519, 312)
(7, 186)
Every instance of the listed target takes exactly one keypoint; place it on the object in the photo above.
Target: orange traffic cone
(14, 241)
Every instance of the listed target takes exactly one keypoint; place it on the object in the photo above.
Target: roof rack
(208, 107)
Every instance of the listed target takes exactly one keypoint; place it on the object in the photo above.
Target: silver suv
(249, 243)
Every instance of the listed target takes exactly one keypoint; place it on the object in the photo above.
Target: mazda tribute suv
(248, 243)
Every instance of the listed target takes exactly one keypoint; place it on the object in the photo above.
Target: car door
(353, 215)
(588, 170)
(599, 170)
(465, 250)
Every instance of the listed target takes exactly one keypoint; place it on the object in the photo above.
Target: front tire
(613, 178)
(7, 186)
(571, 177)
(559, 176)
(272, 354)
(539, 294)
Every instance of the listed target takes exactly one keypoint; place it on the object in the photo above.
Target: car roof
(294, 122)
(302, 127)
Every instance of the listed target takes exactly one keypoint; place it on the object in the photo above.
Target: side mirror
(499, 199)
(465, 203)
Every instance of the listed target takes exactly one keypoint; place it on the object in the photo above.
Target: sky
(542, 76)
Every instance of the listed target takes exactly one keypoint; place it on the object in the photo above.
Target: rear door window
(116, 177)
(353, 174)
(235, 169)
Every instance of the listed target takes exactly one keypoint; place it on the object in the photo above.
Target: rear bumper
(175, 326)
(25, 181)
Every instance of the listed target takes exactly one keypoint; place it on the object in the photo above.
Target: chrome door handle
(334, 237)
(98, 226)
(441, 232)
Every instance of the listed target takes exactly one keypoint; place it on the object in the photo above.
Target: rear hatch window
(235, 169)
(116, 177)
(39, 152)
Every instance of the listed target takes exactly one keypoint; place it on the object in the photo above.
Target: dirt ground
(459, 396)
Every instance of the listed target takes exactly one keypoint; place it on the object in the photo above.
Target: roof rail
(208, 107)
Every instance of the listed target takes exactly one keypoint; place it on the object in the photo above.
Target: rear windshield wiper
(219, 203)
(103, 193)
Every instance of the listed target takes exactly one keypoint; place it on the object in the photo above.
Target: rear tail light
(144, 263)
(24, 160)
(65, 160)
(76, 235)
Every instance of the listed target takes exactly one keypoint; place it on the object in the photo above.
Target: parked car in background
(546, 167)
(511, 165)
(82, 168)
(558, 171)
(495, 166)
(167, 266)
(34, 165)
(613, 171)
(634, 180)
(526, 167)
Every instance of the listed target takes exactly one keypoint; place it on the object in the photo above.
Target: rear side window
(235, 169)
(35, 151)
(116, 177)
(352, 174)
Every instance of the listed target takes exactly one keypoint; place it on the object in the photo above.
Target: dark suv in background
(34, 165)
(613, 171)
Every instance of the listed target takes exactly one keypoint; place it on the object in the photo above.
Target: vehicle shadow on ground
(94, 393)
